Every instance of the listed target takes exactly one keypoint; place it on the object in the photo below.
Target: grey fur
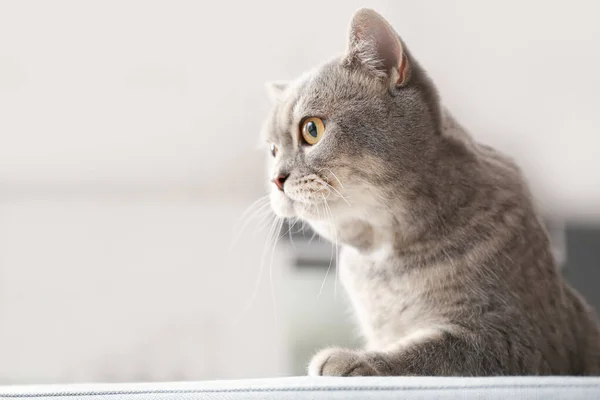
(443, 253)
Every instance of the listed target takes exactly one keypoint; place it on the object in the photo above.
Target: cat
(443, 254)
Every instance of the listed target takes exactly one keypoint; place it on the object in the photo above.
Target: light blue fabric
(305, 388)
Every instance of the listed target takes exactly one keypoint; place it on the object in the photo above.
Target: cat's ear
(275, 90)
(375, 46)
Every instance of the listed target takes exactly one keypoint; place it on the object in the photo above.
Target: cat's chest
(389, 303)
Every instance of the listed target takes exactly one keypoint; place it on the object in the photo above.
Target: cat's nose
(279, 180)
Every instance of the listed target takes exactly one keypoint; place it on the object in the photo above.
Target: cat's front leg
(443, 355)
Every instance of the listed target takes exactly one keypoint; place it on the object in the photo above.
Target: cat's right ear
(374, 46)
(275, 90)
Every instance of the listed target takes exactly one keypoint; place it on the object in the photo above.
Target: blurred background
(129, 151)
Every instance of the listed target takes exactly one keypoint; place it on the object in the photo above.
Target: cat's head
(346, 137)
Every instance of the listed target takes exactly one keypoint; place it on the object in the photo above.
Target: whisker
(329, 187)
(290, 228)
(335, 241)
(258, 201)
(276, 238)
(334, 175)
(252, 212)
(312, 237)
(260, 271)
(314, 231)
(290, 234)
(336, 263)
(330, 216)
(263, 223)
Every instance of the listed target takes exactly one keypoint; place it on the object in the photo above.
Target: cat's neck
(374, 238)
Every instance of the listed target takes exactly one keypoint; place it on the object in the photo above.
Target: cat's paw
(340, 362)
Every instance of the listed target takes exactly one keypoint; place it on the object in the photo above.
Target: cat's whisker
(252, 212)
(270, 241)
(330, 187)
(290, 234)
(334, 175)
(257, 202)
(318, 219)
(314, 231)
(318, 207)
(330, 217)
(260, 217)
(312, 237)
(335, 241)
(276, 238)
(248, 214)
(289, 231)
(263, 223)
(260, 270)
(290, 227)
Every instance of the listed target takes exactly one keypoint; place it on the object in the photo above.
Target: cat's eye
(273, 150)
(312, 130)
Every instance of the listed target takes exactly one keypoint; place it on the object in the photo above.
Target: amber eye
(273, 150)
(312, 130)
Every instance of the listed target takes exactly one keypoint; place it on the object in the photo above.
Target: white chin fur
(282, 205)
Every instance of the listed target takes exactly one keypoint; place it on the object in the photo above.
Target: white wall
(125, 288)
(172, 91)
(128, 134)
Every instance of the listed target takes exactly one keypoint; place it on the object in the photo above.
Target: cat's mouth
(309, 197)
(309, 189)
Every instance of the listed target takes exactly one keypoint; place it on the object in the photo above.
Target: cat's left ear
(275, 90)
(376, 47)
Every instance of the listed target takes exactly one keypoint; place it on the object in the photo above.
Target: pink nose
(279, 180)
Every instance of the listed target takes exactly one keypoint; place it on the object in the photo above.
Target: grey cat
(443, 253)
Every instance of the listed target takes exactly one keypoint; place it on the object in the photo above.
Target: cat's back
(523, 270)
